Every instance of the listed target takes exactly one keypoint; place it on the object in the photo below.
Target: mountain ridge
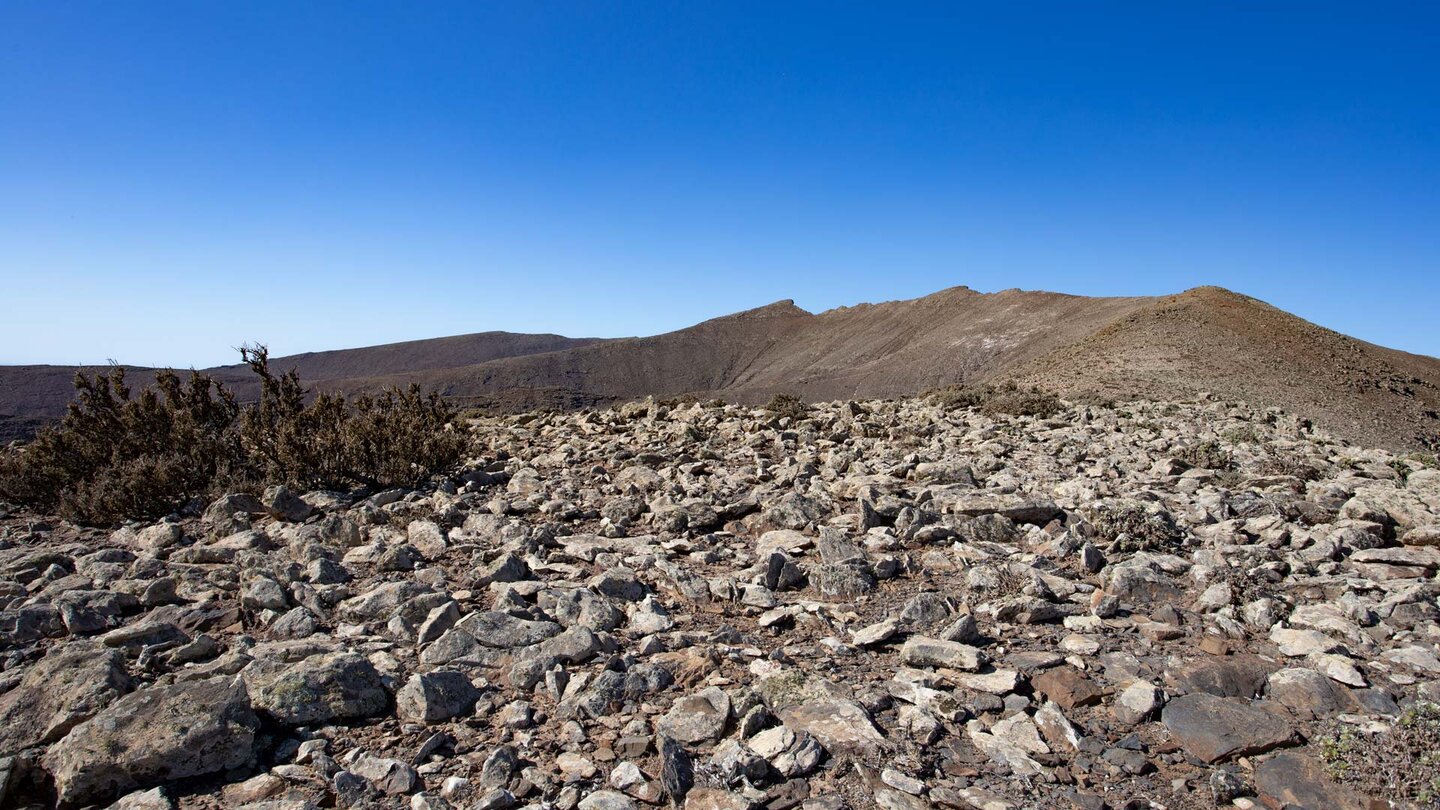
(1206, 340)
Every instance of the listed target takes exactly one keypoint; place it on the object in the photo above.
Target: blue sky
(176, 178)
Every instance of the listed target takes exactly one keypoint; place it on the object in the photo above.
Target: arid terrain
(898, 604)
(1206, 340)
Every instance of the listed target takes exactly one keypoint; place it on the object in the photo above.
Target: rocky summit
(868, 604)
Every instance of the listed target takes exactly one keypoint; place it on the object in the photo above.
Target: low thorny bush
(1401, 763)
(781, 406)
(119, 455)
(1005, 398)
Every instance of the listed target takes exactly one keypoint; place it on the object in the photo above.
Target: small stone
(919, 651)
(875, 633)
(435, 697)
(1068, 687)
(697, 718)
(1136, 703)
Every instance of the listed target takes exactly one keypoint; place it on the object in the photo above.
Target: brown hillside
(889, 349)
(1206, 339)
(30, 396)
(1211, 339)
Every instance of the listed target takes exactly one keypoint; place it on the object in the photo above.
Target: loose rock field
(877, 604)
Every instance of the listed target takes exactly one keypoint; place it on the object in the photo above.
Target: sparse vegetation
(786, 405)
(679, 400)
(1127, 526)
(121, 455)
(1402, 763)
(1427, 460)
(1005, 398)
(1412, 462)
(1279, 463)
(1207, 454)
(1241, 434)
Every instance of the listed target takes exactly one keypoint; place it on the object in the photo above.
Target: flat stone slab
(841, 726)
(1295, 780)
(1068, 687)
(1214, 729)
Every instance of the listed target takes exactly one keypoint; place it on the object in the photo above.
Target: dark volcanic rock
(1214, 729)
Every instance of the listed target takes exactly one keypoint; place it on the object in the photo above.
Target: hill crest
(1204, 340)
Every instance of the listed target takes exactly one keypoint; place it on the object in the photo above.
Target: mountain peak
(784, 308)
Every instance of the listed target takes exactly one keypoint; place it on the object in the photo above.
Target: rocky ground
(885, 604)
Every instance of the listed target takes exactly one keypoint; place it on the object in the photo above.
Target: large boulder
(1214, 729)
(155, 735)
(66, 687)
(316, 690)
(435, 697)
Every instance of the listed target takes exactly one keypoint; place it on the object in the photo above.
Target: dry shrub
(783, 405)
(115, 455)
(119, 455)
(1005, 398)
(397, 439)
(1282, 463)
(1210, 455)
(1401, 764)
(1128, 525)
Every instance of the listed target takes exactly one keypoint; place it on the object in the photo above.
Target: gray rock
(697, 718)
(1136, 703)
(66, 687)
(1295, 780)
(570, 647)
(265, 594)
(1308, 693)
(919, 651)
(435, 697)
(282, 504)
(495, 629)
(1215, 729)
(316, 690)
(152, 736)
(607, 800)
(1229, 676)
(842, 726)
(677, 773)
(85, 612)
(389, 776)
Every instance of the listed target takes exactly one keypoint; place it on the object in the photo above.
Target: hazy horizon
(181, 178)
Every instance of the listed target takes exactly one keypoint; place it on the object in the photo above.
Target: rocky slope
(882, 604)
(1203, 340)
(32, 396)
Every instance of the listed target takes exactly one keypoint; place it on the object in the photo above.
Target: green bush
(118, 455)
(1400, 764)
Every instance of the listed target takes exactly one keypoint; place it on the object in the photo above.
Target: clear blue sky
(176, 178)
